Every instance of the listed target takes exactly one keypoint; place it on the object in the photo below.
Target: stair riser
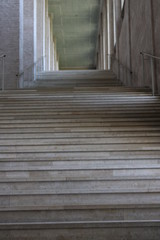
(86, 146)
(72, 136)
(7, 188)
(81, 148)
(73, 125)
(25, 164)
(78, 199)
(81, 174)
(80, 215)
(83, 155)
(144, 233)
(79, 141)
(82, 130)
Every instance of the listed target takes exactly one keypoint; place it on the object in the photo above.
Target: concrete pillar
(53, 57)
(47, 35)
(35, 26)
(57, 63)
(39, 29)
(54, 40)
(56, 56)
(51, 42)
(99, 51)
(101, 42)
(44, 32)
(21, 42)
(105, 35)
(29, 40)
(111, 29)
(118, 23)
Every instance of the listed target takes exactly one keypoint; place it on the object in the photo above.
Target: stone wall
(135, 34)
(9, 40)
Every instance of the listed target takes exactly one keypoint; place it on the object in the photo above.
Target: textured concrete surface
(9, 43)
(80, 163)
(135, 35)
(156, 19)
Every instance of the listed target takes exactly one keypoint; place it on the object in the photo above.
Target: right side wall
(139, 30)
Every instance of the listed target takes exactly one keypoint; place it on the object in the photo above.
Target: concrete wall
(156, 20)
(39, 29)
(9, 40)
(137, 32)
(26, 36)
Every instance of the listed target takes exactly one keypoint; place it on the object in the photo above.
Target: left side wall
(25, 38)
(9, 40)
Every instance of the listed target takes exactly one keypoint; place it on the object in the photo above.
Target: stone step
(84, 110)
(62, 107)
(85, 97)
(110, 169)
(83, 74)
(75, 109)
(74, 135)
(78, 124)
(83, 155)
(81, 108)
(78, 83)
(146, 230)
(77, 192)
(81, 148)
(10, 187)
(46, 85)
(19, 199)
(29, 164)
(80, 213)
(79, 98)
(80, 162)
(84, 81)
(80, 174)
(80, 129)
(81, 120)
(78, 141)
(62, 116)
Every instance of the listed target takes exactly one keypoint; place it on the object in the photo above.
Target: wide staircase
(80, 162)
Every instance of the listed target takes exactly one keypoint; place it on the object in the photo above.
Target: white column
(111, 28)
(99, 51)
(53, 57)
(44, 34)
(101, 48)
(105, 35)
(118, 17)
(49, 42)
(35, 36)
(114, 21)
(21, 43)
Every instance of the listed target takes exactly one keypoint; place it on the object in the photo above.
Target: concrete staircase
(80, 163)
(69, 79)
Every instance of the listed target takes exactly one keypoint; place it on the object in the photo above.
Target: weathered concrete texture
(79, 162)
(141, 39)
(124, 45)
(9, 44)
(39, 29)
(137, 32)
(28, 31)
(156, 19)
